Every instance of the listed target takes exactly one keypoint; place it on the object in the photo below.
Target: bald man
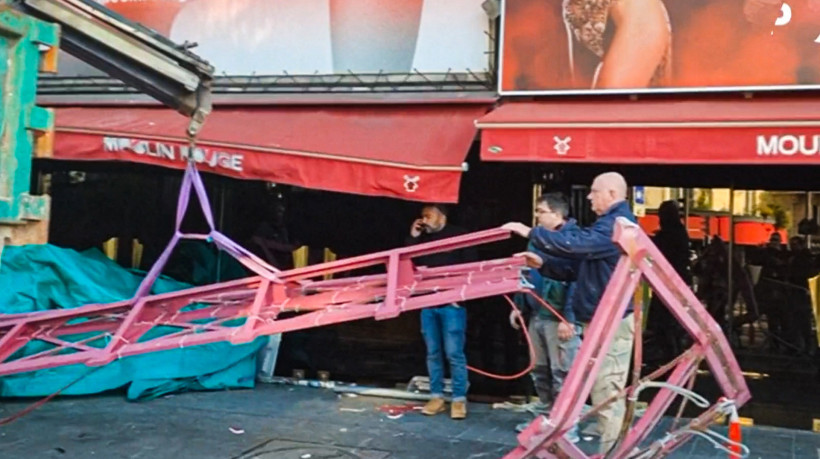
(596, 255)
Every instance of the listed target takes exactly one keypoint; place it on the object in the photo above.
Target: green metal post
(22, 39)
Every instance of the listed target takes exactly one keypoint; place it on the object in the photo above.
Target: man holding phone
(443, 327)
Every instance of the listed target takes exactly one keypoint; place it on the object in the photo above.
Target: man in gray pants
(555, 342)
(597, 256)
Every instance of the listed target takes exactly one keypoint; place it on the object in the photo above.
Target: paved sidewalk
(294, 423)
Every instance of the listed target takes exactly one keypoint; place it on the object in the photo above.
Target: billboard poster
(310, 37)
(634, 46)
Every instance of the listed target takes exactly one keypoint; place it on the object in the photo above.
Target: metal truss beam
(641, 260)
(276, 301)
(271, 302)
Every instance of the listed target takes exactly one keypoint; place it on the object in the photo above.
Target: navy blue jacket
(595, 252)
(554, 282)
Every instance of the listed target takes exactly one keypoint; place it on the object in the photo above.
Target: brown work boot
(434, 407)
(458, 410)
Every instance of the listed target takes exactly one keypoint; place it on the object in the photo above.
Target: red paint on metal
(239, 311)
(280, 301)
(640, 259)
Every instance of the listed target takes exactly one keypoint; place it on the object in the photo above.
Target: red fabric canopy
(413, 152)
(644, 132)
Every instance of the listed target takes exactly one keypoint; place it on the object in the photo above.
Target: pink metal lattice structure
(238, 311)
(276, 301)
(641, 260)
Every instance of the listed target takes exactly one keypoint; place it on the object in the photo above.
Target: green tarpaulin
(43, 277)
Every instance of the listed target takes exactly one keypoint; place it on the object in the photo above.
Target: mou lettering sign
(788, 145)
(171, 152)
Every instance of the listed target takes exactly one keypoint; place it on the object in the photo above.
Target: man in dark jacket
(597, 256)
(444, 328)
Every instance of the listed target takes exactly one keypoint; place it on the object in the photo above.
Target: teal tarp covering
(42, 277)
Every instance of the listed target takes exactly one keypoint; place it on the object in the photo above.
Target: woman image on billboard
(631, 38)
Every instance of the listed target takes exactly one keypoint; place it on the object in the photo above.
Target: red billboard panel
(629, 46)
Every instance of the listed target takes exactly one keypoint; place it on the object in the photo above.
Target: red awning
(645, 132)
(402, 151)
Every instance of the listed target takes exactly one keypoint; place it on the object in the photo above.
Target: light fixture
(492, 8)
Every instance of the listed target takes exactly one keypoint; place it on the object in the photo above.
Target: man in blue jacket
(597, 256)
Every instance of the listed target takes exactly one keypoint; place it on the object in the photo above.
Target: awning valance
(413, 152)
(782, 131)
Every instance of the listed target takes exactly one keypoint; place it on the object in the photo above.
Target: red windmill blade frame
(641, 259)
(238, 311)
(276, 301)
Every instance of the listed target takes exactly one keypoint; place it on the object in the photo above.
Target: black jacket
(442, 258)
(673, 242)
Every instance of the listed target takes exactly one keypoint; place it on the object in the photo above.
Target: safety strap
(191, 180)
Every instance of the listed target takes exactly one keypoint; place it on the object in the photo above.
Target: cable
(548, 306)
(717, 440)
(526, 336)
(529, 344)
(39, 403)
(696, 398)
(713, 437)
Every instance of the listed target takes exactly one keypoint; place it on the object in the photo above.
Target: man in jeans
(597, 256)
(444, 327)
(555, 342)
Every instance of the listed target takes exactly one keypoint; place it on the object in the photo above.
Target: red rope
(529, 344)
(549, 307)
(39, 403)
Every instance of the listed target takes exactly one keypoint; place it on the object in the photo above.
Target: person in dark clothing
(444, 327)
(799, 317)
(673, 241)
(592, 246)
(597, 256)
(713, 286)
(772, 289)
(271, 240)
